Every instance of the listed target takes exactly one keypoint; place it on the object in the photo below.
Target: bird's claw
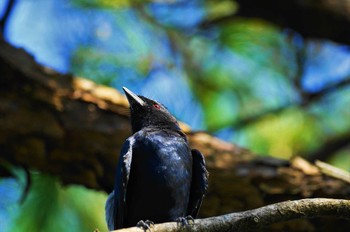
(145, 225)
(185, 221)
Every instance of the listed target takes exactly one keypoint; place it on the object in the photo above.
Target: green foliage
(255, 40)
(87, 62)
(216, 9)
(246, 73)
(102, 3)
(341, 159)
(242, 75)
(51, 207)
(130, 56)
(334, 112)
(247, 78)
(283, 135)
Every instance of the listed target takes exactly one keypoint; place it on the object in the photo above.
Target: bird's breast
(162, 167)
(160, 178)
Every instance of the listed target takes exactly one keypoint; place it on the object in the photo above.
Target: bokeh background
(246, 81)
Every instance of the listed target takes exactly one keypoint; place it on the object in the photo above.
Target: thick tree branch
(306, 100)
(312, 97)
(257, 219)
(325, 19)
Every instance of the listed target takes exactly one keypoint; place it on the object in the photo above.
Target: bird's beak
(133, 98)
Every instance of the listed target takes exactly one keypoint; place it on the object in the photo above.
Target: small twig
(258, 218)
(333, 171)
(28, 184)
(6, 15)
(329, 148)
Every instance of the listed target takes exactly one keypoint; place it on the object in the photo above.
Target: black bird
(158, 177)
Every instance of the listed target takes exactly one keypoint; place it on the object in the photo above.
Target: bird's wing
(199, 184)
(121, 183)
(109, 209)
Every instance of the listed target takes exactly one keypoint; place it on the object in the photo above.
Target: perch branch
(258, 218)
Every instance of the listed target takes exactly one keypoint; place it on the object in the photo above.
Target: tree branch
(3, 21)
(324, 19)
(306, 100)
(329, 147)
(253, 220)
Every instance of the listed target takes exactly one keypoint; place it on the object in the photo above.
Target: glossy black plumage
(158, 177)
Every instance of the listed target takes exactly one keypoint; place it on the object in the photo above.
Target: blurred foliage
(341, 159)
(247, 66)
(300, 131)
(249, 76)
(216, 9)
(102, 3)
(47, 201)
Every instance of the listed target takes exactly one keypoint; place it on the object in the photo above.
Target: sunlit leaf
(216, 9)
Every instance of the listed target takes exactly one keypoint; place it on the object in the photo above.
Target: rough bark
(73, 129)
(259, 219)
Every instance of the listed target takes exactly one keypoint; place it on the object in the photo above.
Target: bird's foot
(185, 221)
(145, 225)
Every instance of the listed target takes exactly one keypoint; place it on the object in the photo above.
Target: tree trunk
(72, 128)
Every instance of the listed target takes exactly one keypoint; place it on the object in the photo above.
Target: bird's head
(148, 113)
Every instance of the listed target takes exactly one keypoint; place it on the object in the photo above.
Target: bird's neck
(165, 127)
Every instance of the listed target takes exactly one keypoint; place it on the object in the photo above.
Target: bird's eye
(156, 106)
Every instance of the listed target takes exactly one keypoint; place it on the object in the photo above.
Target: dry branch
(258, 219)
